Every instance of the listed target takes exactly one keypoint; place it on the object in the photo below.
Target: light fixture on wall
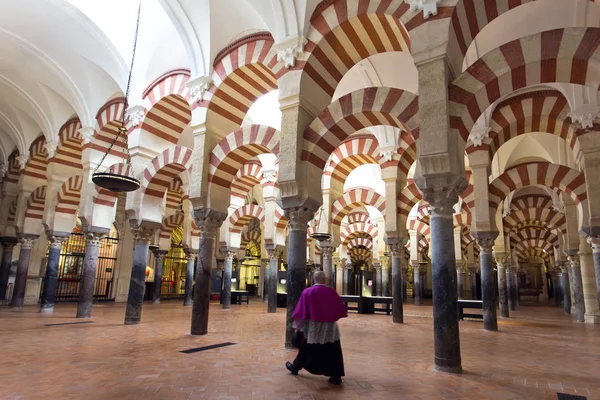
(123, 180)
(321, 236)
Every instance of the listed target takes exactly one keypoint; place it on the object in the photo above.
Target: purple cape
(320, 303)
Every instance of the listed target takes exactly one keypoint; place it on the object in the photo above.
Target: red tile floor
(537, 353)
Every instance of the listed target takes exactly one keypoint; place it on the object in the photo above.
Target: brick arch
(533, 243)
(246, 178)
(239, 147)
(248, 237)
(164, 168)
(358, 217)
(421, 227)
(108, 122)
(341, 35)
(175, 194)
(240, 217)
(540, 173)
(69, 149)
(243, 71)
(37, 163)
(532, 251)
(408, 197)
(360, 242)
(405, 156)
(528, 61)
(69, 196)
(423, 212)
(13, 172)
(165, 120)
(537, 233)
(169, 224)
(358, 110)
(539, 111)
(357, 228)
(170, 83)
(12, 212)
(356, 197)
(469, 17)
(360, 253)
(35, 203)
(355, 151)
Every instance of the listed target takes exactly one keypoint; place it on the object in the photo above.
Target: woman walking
(316, 315)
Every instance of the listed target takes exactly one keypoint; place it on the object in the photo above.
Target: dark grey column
(18, 297)
(159, 261)
(473, 279)
(404, 276)
(446, 336)
(502, 287)
(510, 289)
(142, 234)
(397, 306)
(227, 271)
(8, 243)
(417, 284)
(378, 280)
(51, 274)
(485, 241)
(594, 241)
(296, 273)
(460, 281)
(206, 253)
(385, 280)
(517, 290)
(558, 295)
(577, 286)
(327, 254)
(88, 279)
(347, 278)
(191, 256)
(272, 271)
(566, 289)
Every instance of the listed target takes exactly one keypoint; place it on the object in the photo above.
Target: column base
(592, 319)
(198, 333)
(46, 309)
(131, 322)
(186, 304)
(84, 317)
(449, 370)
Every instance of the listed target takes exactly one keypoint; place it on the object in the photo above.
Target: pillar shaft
(460, 281)
(404, 268)
(378, 282)
(417, 284)
(273, 269)
(228, 270)
(586, 261)
(566, 289)
(577, 287)
(208, 231)
(473, 279)
(18, 297)
(510, 290)
(485, 241)
(159, 260)
(445, 309)
(88, 279)
(397, 306)
(385, 282)
(347, 278)
(327, 253)
(191, 256)
(8, 243)
(558, 295)
(595, 243)
(137, 283)
(296, 273)
(502, 288)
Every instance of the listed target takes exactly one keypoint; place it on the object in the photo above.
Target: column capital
(349, 266)
(485, 241)
(27, 241)
(56, 239)
(208, 221)
(500, 261)
(594, 242)
(299, 217)
(159, 255)
(143, 232)
(94, 238)
(574, 260)
(327, 252)
(190, 254)
(229, 254)
(8, 242)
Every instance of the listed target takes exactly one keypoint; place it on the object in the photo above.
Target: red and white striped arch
(408, 197)
(246, 178)
(35, 204)
(240, 217)
(405, 157)
(357, 150)
(243, 71)
(108, 121)
(105, 197)
(360, 242)
(533, 252)
(355, 111)
(69, 196)
(533, 243)
(353, 198)
(343, 34)
(13, 172)
(195, 230)
(534, 233)
(238, 148)
(423, 212)
(170, 83)
(569, 55)
(69, 149)
(281, 221)
(250, 236)
(169, 224)
(359, 228)
(468, 197)
(175, 194)
(36, 165)
(164, 168)
(358, 217)
(539, 111)
(540, 173)
(360, 254)
(12, 213)
(419, 226)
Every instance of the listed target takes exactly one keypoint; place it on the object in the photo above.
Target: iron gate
(173, 279)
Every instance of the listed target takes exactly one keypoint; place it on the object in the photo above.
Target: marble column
(558, 295)
(566, 289)
(460, 281)
(378, 280)
(228, 270)
(577, 286)
(544, 295)
(510, 287)
(517, 286)
(159, 261)
(385, 280)
(191, 256)
(88, 278)
(18, 297)
(327, 253)
(51, 275)
(142, 234)
(417, 284)
(404, 267)
(586, 260)
(446, 336)
(8, 244)
(206, 253)
(273, 280)
(296, 273)
(594, 241)
(502, 287)
(348, 277)
(397, 306)
(485, 241)
(473, 279)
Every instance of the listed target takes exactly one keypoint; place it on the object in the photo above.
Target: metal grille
(70, 268)
(173, 280)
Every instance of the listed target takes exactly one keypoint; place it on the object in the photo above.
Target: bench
(469, 304)
(351, 299)
(386, 301)
(240, 296)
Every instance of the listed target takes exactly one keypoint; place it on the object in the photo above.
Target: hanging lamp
(320, 236)
(124, 181)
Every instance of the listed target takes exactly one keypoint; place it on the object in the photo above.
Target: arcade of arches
(450, 148)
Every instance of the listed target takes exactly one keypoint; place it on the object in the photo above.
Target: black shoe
(336, 380)
(290, 367)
